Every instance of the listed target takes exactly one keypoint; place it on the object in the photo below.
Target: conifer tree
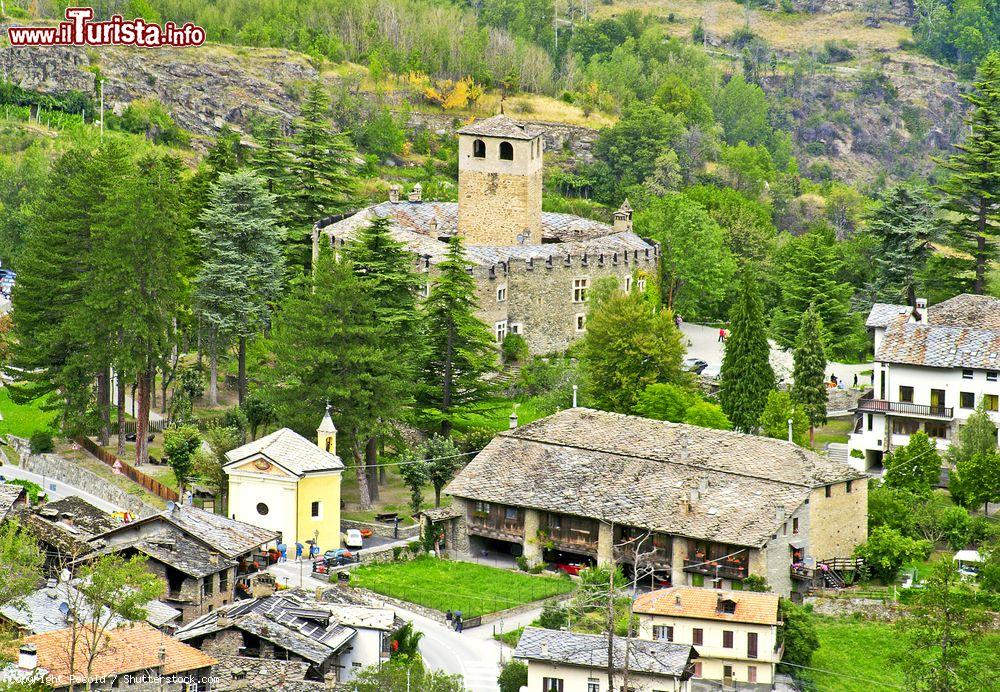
(459, 348)
(272, 160)
(323, 170)
(329, 346)
(809, 269)
(240, 278)
(972, 191)
(901, 229)
(384, 267)
(809, 371)
(746, 376)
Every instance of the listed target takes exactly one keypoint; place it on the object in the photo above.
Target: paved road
(56, 489)
(703, 342)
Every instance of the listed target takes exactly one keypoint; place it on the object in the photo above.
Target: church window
(479, 149)
(641, 284)
(315, 510)
(579, 290)
(506, 151)
(628, 284)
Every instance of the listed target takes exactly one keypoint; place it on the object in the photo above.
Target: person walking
(298, 551)
(722, 335)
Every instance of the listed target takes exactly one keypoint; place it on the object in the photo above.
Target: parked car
(695, 365)
(571, 568)
(711, 372)
(353, 539)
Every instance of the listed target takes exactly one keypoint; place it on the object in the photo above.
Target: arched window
(506, 151)
(479, 148)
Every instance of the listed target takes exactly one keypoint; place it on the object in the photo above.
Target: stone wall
(844, 399)
(839, 522)
(65, 471)
(379, 529)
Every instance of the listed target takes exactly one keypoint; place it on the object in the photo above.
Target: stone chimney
(512, 420)
(417, 193)
(27, 657)
(919, 310)
(326, 433)
(623, 218)
(394, 194)
(223, 620)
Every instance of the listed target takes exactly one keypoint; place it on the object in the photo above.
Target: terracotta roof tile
(703, 604)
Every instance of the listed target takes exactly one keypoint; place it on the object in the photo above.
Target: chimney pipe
(416, 194)
(394, 194)
(513, 420)
(27, 657)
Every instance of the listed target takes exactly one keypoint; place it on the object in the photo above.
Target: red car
(571, 568)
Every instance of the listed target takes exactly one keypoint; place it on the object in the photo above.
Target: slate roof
(967, 310)
(703, 604)
(641, 472)
(130, 648)
(501, 126)
(245, 673)
(591, 651)
(86, 517)
(413, 224)
(287, 449)
(227, 536)
(939, 346)
(883, 314)
(9, 494)
(173, 547)
(38, 612)
(290, 619)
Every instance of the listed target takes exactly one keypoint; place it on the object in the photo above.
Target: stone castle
(533, 269)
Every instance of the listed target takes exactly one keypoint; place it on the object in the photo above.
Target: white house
(735, 633)
(561, 661)
(932, 368)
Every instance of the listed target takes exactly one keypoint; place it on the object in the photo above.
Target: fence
(151, 484)
(128, 426)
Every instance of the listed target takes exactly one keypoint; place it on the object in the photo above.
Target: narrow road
(130, 405)
(56, 489)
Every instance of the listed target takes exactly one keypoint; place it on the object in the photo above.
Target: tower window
(506, 151)
(479, 149)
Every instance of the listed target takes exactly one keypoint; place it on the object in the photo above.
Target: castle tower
(326, 433)
(500, 182)
(623, 217)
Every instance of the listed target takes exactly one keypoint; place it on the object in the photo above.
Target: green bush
(522, 563)
(887, 550)
(514, 348)
(32, 488)
(415, 547)
(41, 442)
(397, 550)
(553, 616)
(513, 676)
(755, 582)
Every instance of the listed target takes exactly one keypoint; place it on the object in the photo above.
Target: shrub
(553, 616)
(513, 676)
(41, 442)
(30, 487)
(415, 547)
(475, 439)
(798, 633)
(515, 348)
(755, 582)
(522, 563)
(397, 551)
(886, 550)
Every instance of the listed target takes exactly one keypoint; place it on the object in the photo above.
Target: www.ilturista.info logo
(78, 30)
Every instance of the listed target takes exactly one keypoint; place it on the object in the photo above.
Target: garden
(468, 587)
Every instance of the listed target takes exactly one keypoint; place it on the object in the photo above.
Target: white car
(353, 539)
(711, 372)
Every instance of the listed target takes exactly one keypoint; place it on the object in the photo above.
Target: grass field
(837, 430)
(450, 585)
(22, 420)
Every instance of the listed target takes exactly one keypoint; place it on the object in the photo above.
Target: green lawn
(834, 431)
(450, 585)
(867, 651)
(23, 420)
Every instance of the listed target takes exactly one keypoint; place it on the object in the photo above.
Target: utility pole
(790, 420)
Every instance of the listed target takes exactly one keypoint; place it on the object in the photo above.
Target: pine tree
(809, 371)
(808, 270)
(901, 229)
(384, 267)
(240, 279)
(972, 191)
(273, 160)
(746, 376)
(459, 348)
(323, 170)
(329, 346)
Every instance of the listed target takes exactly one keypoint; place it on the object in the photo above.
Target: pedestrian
(678, 320)
(298, 551)
(283, 549)
(722, 335)
(855, 380)
(447, 615)
(395, 527)
(458, 624)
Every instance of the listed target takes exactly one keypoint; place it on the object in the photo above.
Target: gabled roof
(501, 126)
(938, 346)
(642, 472)
(173, 547)
(290, 451)
(86, 517)
(883, 314)
(967, 310)
(246, 673)
(130, 648)
(9, 496)
(703, 604)
(591, 651)
(292, 620)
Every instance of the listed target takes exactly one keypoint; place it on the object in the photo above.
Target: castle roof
(501, 126)
(420, 226)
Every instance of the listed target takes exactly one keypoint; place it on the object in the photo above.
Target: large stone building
(533, 269)
(693, 506)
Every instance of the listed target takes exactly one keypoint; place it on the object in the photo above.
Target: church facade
(533, 269)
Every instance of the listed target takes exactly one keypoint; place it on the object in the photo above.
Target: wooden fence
(151, 484)
(154, 426)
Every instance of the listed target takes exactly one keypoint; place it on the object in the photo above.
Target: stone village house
(533, 269)
(700, 507)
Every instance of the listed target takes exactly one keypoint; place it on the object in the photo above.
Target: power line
(845, 675)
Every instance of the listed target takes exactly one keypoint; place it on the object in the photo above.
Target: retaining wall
(379, 529)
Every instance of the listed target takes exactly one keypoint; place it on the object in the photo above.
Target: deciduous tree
(915, 467)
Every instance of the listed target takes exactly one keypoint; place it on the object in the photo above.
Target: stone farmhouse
(692, 506)
(933, 367)
(570, 662)
(735, 633)
(532, 268)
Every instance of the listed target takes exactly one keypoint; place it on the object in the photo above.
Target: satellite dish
(64, 608)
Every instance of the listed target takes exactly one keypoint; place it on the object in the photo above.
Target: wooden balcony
(721, 569)
(904, 408)
(657, 559)
(501, 530)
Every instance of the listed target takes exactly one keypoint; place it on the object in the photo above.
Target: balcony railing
(496, 529)
(724, 570)
(903, 407)
(658, 558)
